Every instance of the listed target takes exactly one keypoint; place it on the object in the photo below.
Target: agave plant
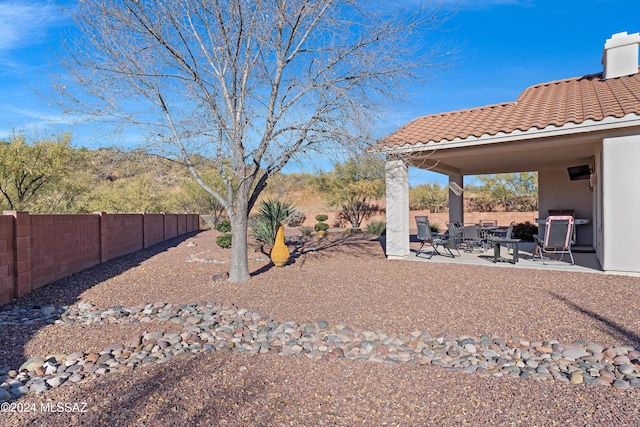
(271, 213)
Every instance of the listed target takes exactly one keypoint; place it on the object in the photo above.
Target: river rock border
(211, 327)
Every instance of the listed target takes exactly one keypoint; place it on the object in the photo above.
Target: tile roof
(556, 103)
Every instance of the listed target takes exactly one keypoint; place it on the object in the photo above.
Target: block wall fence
(441, 218)
(38, 249)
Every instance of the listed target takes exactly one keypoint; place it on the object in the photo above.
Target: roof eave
(608, 124)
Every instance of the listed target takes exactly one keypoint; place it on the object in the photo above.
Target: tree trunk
(239, 268)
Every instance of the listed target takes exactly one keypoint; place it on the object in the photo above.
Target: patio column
(397, 183)
(456, 203)
(620, 203)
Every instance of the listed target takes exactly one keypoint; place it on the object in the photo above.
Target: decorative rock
(113, 348)
(575, 353)
(32, 364)
(92, 357)
(85, 305)
(210, 327)
(532, 363)
(133, 342)
(38, 387)
(595, 348)
(576, 378)
(76, 378)
(609, 353)
(19, 391)
(74, 356)
(152, 336)
(620, 384)
(626, 369)
(55, 381)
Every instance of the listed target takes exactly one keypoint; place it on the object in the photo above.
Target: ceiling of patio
(506, 157)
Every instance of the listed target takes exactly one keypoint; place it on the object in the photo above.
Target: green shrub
(351, 230)
(224, 226)
(322, 218)
(524, 231)
(321, 226)
(435, 228)
(306, 231)
(377, 228)
(271, 213)
(224, 241)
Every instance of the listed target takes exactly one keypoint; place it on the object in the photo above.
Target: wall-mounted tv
(579, 172)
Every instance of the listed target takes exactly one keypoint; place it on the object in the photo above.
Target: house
(582, 136)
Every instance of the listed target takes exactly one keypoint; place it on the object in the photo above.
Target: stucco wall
(397, 215)
(621, 203)
(557, 191)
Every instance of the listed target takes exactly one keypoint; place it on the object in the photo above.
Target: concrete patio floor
(584, 261)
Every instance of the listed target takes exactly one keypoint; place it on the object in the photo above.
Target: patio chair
(472, 237)
(425, 235)
(506, 234)
(557, 237)
(454, 229)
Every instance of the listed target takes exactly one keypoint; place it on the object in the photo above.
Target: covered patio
(581, 135)
(585, 262)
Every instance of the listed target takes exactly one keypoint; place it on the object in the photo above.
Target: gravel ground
(344, 281)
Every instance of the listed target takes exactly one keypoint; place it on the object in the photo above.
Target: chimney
(620, 57)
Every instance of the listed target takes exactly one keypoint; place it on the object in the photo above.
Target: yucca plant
(271, 213)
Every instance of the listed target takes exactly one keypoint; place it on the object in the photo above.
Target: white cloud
(25, 23)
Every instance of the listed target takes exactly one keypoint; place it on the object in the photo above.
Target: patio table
(496, 249)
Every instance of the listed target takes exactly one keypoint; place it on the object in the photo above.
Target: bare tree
(248, 83)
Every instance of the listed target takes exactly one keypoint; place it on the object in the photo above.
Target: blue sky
(502, 47)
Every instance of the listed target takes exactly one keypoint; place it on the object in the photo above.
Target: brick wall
(503, 218)
(7, 258)
(153, 229)
(62, 245)
(121, 234)
(38, 249)
(170, 226)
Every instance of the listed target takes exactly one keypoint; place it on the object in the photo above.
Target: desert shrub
(306, 231)
(295, 218)
(271, 213)
(435, 228)
(355, 213)
(524, 231)
(224, 241)
(321, 226)
(377, 228)
(224, 226)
